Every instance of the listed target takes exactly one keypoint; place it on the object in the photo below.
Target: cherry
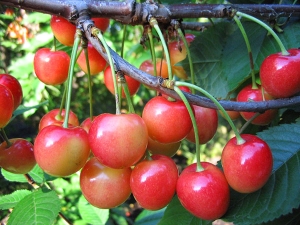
(168, 149)
(96, 62)
(63, 30)
(256, 94)
(14, 86)
(207, 123)
(104, 187)
(133, 85)
(248, 166)
(153, 182)
(118, 141)
(86, 124)
(58, 61)
(53, 118)
(101, 23)
(280, 74)
(61, 151)
(18, 157)
(161, 67)
(204, 194)
(167, 121)
(6, 105)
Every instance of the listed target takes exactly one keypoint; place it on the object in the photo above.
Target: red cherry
(168, 149)
(58, 61)
(96, 62)
(86, 124)
(104, 187)
(6, 105)
(280, 74)
(63, 30)
(18, 157)
(53, 118)
(207, 123)
(153, 182)
(247, 167)
(204, 194)
(133, 85)
(161, 67)
(250, 94)
(167, 121)
(118, 141)
(101, 23)
(14, 86)
(61, 151)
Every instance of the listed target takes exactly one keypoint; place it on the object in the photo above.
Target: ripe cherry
(63, 30)
(204, 194)
(153, 182)
(96, 62)
(61, 151)
(168, 149)
(256, 94)
(101, 23)
(167, 121)
(104, 187)
(161, 67)
(6, 105)
(118, 141)
(58, 61)
(280, 74)
(207, 123)
(14, 86)
(248, 166)
(133, 85)
(18, 157)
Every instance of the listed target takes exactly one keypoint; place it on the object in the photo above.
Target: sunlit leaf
(9, 201)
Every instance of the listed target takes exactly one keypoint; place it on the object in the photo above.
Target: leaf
(9, 201)
(147, 217)
(176, 214)
(91, 214)
(290, 219)
(281, 193)
(40, 207)
(21, 109)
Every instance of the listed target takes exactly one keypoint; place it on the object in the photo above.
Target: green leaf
(290, 219)
(281, 193)
(40, 207)
(91, 214)
(176, 214)
(22, 109)
(9, 201)
(147, 217)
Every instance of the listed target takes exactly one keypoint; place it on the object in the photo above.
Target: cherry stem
(85, 49)
(241, 27)
(154, 24)
(96, 32)
(8, 143)
(70, 75)
(249, 122)
(150, 36)
(192, 116)
(240, 140)
(189, 57)
(124, 86)
(268, 28)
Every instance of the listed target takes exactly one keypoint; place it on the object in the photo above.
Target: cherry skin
(101, 23)
(118, 141)
(14, 86)
(17, 158)
(250, 94)
(168, 149)
(247, 167)
(6, 105)
(63, 30)
(53, 118)
(153, 182)
(133, 85)
(104, 187)
(96, 62)
(204, 194)
(280, 74)
(61, 151)
(58, 61)
(167, 121)
(86, 124)
(207, 123)
(161, 67)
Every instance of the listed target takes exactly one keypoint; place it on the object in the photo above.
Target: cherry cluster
(123, 154)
